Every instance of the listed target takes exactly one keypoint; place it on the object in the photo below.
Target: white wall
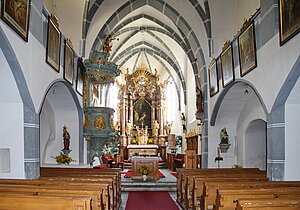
(59, 110)
(255, 145)
(11, 121)
(251, 111)
(292, 143)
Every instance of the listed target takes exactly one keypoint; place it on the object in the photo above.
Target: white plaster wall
(65, 113)
(227, 17)
(11, 121)
(251, 111)
(292, 146)
(47, 130)
(32, 59)
(255, 145)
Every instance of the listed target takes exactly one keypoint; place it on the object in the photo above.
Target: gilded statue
(107, 46)
(155, 128)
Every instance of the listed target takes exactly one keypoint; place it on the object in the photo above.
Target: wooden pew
(95, 194)
(105, 185)
(189, 181)
(204, 194)
(226, 198)
(269, 203)
(113, 186)
(182, 173)
(87, 172)
(12, 202)
(210, 188)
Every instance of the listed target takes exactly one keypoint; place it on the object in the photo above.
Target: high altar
(142, 114)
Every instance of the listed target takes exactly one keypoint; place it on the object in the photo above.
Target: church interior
(149, 104)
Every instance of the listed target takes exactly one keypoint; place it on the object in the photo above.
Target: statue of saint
(66, 137)
(128, 128)
(183, 122)
(155, 128)
(224, 136)
(199, 100)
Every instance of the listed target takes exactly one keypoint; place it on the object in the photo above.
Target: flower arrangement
(133, 140)
(63, 159)
(144, 170)
(151, 141)
(237, 166)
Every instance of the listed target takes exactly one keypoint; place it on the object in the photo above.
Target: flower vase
(145, 177)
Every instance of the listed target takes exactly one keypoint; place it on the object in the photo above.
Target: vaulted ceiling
(172, 36)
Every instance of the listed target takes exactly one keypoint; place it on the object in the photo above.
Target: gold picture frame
(213, 78)
(17, 14)
(227, 64)
(247, 48)
(53, 43)
(69, 62)
(80, 76)
(289, 19)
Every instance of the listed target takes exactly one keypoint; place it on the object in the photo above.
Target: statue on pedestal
(66, 150)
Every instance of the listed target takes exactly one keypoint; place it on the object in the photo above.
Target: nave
(94, 188)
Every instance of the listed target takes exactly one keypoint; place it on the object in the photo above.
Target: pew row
(37, 202)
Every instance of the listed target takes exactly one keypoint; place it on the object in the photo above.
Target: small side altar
(150, 162)
(143, 150)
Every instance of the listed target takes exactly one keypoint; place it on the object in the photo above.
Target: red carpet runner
(150, 200)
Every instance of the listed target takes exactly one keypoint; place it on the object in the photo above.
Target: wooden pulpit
(190, 159)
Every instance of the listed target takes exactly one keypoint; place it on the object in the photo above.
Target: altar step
(137, 185)
(162, 165)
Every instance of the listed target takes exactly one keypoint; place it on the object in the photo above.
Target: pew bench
(226, 198)
(268, 203)
(182, 173)
(37, 202)
(96, 195)
(106, 185)
(204, 192)
(189, 187)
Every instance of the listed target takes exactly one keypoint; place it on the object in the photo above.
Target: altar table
(150, 162)
(143, 150)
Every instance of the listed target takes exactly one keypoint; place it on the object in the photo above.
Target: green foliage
(63, 159)
(237, 166)
(111, 147)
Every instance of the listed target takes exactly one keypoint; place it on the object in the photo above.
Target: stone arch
(60, 98)
(276, 126)
(237, 106)
(30, 124)
(223, 94)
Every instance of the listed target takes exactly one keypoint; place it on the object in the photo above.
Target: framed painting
(53, 43)
(16, 15)
(289, 19)
(213, 78)
(227, 64)
(142, 113)
(79, 78)
(69, 62)
(247, 49)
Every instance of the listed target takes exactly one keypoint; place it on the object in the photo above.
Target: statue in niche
(199, 100)
(66, 137)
